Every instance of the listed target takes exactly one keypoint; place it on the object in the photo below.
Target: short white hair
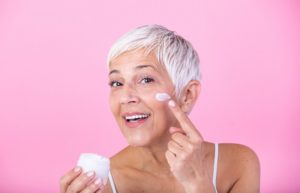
(171, 50)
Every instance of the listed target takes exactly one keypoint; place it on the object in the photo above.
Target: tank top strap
(216, 157)
(112, 183)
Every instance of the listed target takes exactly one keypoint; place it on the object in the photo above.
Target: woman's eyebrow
(135, 68)
(145, 66)
(113, 71)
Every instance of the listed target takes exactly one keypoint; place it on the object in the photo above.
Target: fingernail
(171, 103)
(77, 169)
(173, 129)
(98, 181)
(89, 174)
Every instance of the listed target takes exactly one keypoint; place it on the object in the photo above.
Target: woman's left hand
(185, 151)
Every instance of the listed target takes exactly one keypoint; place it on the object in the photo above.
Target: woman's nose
(129, 95)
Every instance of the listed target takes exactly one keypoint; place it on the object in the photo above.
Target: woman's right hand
(75, 181)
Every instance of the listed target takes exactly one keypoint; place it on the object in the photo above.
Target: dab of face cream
(162, 96)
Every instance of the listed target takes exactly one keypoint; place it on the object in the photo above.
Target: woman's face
(135, 78)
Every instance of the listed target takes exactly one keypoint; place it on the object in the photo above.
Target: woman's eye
(115, 84)
(147, 80)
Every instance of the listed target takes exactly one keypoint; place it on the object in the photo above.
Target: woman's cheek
(152, 103)
(114, 101)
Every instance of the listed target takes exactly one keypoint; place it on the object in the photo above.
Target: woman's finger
(170, 158)
(174, 148)
(175, 130)
(67, 179)
(93, 187)
(180, 139)
(81, 182)
(100, 190)
(184, 121)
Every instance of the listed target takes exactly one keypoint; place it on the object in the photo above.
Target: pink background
(54, 93)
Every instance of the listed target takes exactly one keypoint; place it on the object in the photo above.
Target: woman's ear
(190, 95)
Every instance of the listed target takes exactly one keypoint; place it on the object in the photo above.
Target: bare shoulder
(242, 164)
(240, 153)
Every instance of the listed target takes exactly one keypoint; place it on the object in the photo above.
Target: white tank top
(214, 179)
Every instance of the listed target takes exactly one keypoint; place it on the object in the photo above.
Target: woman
(166, 152)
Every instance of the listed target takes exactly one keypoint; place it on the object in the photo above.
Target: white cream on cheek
(162, 96)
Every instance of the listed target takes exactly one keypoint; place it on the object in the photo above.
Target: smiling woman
(135, 79)
(155, 81)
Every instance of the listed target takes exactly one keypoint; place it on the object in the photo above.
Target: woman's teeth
(136, 117)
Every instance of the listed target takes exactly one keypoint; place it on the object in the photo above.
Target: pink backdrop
(53, 87)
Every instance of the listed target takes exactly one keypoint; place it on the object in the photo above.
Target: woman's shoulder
(237, 153)
(241, 163)
(233, 152)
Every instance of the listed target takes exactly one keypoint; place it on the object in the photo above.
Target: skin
(166, 153)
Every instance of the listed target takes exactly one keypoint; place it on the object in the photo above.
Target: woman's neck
(151, 158)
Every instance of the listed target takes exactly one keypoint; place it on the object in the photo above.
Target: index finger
(66, 180)
(184, 121)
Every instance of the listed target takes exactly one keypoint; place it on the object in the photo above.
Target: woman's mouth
(135, 119)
